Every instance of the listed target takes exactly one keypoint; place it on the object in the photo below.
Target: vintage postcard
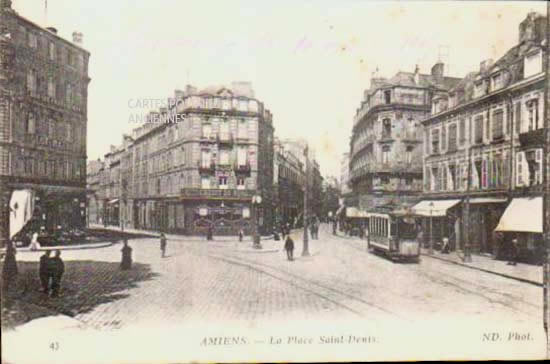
(282, 181)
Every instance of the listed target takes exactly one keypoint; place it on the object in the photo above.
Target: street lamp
(256, 201)
(431, 251)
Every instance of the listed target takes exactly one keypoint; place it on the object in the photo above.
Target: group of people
(50, 271)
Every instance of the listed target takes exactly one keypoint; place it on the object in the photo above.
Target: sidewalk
(527, 273)
(155, 234)
(522, 272)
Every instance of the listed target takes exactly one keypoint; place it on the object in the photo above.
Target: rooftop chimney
(438, 70)
(533, 28)
(179, 94)
(243, 88)
(485, 65)
(77, 38)
(190, 90)
(417, 75)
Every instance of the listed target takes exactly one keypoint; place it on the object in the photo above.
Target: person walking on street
(126, 262)
(289, 247)
(209, 234)
(9, 269)
(43, 271)
(241, 234)
(514, 252)
(162, 245)
(57, 270)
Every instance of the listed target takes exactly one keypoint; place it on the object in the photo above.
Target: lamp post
(256, 201)
(305, 247)
(431, 249)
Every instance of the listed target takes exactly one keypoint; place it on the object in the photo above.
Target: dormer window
(387, 96)
(479, 89)
(497, 81)
(532, 64)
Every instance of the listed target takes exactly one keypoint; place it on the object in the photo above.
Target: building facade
(194, 165)
(385, 160)
(483, 144)
(43, 118)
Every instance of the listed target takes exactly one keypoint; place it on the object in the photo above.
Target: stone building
(43, 117)
(194, 164)
(386, 145)
(489, 127)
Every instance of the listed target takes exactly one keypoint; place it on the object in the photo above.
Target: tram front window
(406, 230)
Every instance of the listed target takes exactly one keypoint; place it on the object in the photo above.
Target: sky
(308, 61)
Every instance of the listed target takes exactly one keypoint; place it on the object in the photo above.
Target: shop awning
(522, 215)
(480, 200)
(433, 207)
(113, 201)
(354, 212)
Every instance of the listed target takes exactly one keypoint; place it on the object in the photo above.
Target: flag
(21, 209)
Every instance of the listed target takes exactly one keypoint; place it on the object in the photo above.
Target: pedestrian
(126, 262)
(283, 231)
(35, 245)
(334, 227)
(241, 233)
(57, 270)
(43, 271)
(209, 233)
(289, 247)
(445, 248)
(9, 269)
(514, 252)
(162, 245)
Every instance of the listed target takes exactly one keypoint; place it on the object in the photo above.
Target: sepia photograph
(274, 181)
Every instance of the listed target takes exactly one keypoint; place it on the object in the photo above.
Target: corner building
(385, 164)
(43, 117)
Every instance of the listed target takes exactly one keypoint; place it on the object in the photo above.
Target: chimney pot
(77, 38)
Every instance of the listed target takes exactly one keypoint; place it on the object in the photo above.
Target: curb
(64, 247)
(504, 275)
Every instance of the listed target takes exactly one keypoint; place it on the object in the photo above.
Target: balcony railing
(532, 138)
(225, 138)
(242, 168)
(206, 168)
(219, 193)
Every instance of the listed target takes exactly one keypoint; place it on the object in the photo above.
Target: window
(435, 141)
(222, 181)
(224, 129)
(205, 159)
(243, 105)
(69, 94)
(452, 137)
(51, 51)
(533, 114)
(31, 82)
(408, 154)
(206, 130)
(387, 96)
(518, 118)
(384, 180)
(205, 182)
(243, 129)
(444, 178)
(497, 81)
(241, 156)
(498, 124)
(51, 87)
(240, 183)
(478, 129)
(435, 179)
(33, 41)
(443, 137)
(30, 126)
(386, 154)
(386, 128)
(224, 157)
(462, 131)
(532, 64)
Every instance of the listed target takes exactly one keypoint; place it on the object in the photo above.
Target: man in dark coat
(289, 247)
(514, 252)
(57, 268)
(126, 262)
(9, 269)
(43, 271)
(162, 245)
(209, 233)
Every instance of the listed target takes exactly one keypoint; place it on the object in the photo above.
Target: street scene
(221, 188)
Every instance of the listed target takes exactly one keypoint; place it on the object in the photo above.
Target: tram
(394, 235)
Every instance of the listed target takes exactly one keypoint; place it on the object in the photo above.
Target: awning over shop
(354, 212)
(480, 200)
(113, 201)
(522, 215)
(433, 208)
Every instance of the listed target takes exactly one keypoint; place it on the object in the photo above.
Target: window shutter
(484, 173)
(519, 170)
(538, 158)
(517, 120)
